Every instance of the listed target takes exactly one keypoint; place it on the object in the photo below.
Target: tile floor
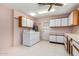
(43, 48)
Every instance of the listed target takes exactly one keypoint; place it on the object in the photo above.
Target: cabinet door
(24, 22)
(28, 22)
(75, 52)
(76, 44)
(75, 17)
(31, 23)
(52, 38)
(26, 37)
(37, 37)
(32, 35)
(58, 22)
(60, 39)
(70, 21)
(64, 21)
(52, 23)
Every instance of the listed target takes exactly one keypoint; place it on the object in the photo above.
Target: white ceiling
(34, 8)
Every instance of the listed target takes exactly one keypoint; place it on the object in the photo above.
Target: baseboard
(56, 42)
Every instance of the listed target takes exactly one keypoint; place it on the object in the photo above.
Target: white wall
(61, 30)
(5, 27)
(17, 34)
(17, 30)
(75, 29)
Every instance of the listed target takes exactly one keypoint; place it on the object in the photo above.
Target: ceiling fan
(51, 4)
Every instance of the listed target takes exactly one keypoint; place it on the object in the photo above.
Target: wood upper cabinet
(20, 21)
(55, 23)
(74, 18)
(23, 22)
(59, 22)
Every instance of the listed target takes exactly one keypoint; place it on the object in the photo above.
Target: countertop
(74, 36)
(58, 34)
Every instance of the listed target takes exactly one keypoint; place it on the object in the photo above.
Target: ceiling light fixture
(52, 10)
(33, 14)
(65, 3)
(42, 12)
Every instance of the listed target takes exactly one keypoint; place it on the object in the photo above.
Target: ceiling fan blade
(58, 4)
(44, 3)
(50, 7)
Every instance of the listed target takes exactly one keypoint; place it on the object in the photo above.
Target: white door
(45, 35)
(60, 39)
(52, 38)
(45, 30)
